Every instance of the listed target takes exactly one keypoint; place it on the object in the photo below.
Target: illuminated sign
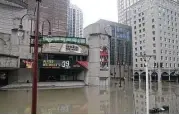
(26, 63)
(56, 64)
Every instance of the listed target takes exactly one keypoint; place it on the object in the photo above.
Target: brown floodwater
(129, 99)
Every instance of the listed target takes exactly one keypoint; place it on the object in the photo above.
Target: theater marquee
(65, 48)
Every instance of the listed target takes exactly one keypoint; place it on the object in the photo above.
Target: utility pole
(147, 79)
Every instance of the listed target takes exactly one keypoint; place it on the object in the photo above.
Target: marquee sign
(64, 48)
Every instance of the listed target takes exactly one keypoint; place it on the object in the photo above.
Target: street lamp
(147, 78)
(20, 32)
(35, 64)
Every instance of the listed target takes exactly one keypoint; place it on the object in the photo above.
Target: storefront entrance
(53, 75)
(3, 78)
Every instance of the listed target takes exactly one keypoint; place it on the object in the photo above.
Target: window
(143, 24)
(153, 38)
(136, 65)
(135, 49)
(166, 58)
(161, 44)
(140, 59)
(141, 65)
(139, 20)
(153, 20)
(170, 58)
(143, 35)
(135, 43)
(140, 42)
(161, 51)
(165, 45)
(142, 18)
(161, 57)
(143, 29)
(139, 25)
(134, 27)
(174, 59)
(154, 51)
(160, 38)
(135, 32)
(165, 51)
(153, 32)
(139, 14)
(134, 22)
(153, 26)
(139, 31)
(140, 48)
(154, 45)
(136, 60)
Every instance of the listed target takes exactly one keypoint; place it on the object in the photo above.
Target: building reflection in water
(100, 100)
(161, 94)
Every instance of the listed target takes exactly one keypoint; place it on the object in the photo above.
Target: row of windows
(166, 65)
(169, 58)
(169, 46)
(169, 52)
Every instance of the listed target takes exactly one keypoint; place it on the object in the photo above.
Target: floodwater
(128, 99)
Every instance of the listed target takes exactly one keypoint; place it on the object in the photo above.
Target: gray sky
(93, 10)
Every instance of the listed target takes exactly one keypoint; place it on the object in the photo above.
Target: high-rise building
(124, 7)
(123, 10)
(155, 32)
(75, 21)
(56, 11)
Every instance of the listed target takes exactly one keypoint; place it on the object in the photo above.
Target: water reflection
(100, 100)
(161, 94)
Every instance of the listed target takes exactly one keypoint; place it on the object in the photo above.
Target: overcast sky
(93, 10)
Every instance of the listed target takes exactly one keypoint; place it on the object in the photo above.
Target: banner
(104, 61)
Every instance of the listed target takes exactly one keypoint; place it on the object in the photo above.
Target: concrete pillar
(139, 76)
(159, 75)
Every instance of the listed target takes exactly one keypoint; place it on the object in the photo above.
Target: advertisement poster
(104, 55)
(26, 63)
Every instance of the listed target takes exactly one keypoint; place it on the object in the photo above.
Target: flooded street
(128, 99)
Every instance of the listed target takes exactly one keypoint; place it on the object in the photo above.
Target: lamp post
(147, 78)
(35, 65)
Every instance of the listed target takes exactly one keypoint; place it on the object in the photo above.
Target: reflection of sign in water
(104, 58)
(56, 64)
(26, 63)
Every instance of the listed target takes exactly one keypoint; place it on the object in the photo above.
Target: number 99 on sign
(65, 64)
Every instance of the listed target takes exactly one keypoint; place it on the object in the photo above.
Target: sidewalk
(45, 85)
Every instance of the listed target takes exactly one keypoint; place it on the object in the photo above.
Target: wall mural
(104, 61)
